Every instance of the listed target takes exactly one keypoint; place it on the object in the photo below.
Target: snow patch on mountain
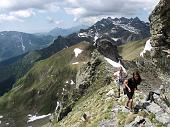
(103, 25)
(58, 106)
(75, 63)
(148, 47)
(22, 44)
(35, 117)
(114, 64)
(95, 38)
(84, 34)
(127, 27)
(115, 39)
(77, 51)
(72, 82)
(30, 42)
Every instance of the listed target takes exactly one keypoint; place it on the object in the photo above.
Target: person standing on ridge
(120, 77)
(130, 87)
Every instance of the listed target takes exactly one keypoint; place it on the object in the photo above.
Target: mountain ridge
(10, 68)
(120, 30)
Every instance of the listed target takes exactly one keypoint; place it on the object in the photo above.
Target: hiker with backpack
(120, 77)
(130, 87)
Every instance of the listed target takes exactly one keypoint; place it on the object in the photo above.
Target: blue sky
(43, 15)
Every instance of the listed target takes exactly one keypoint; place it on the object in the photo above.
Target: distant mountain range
(70, 83)
(13, 43)
(121, 30)
(64, 32)
(14, 68)
(117, 31)
(35, 79)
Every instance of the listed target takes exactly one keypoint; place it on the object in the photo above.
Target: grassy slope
(131, 50)
(98, 108)
(16, 67)
(94, 102)
(98, 105)
(41, 87)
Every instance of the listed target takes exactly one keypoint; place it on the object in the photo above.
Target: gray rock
(106, 48)
(160, 34)
(154, 108)
(140, 122)
(111, 93)
(168, 125)
(86, 116)
(163, 118)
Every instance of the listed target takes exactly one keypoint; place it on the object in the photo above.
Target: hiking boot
(127, 107)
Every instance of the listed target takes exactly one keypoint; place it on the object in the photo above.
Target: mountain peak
(122, 20)
(120, 30)
(136, 19)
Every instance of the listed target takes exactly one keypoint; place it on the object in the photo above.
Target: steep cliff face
(160, 32)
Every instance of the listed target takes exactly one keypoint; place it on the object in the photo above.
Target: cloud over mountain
(87, 8)
(68, 12)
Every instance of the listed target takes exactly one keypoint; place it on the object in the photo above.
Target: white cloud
(84, 9)
(92, 19)
(15, 5)
(16, 10)
(5, 4)
(53, 7)
(16, 15)
(77, 12)
(80, 9)
(56, 22)
(4, 17)
(22, 13)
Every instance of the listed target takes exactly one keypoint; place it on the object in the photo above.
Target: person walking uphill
(130, 87)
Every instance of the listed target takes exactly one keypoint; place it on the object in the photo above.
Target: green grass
(95, 104)
(41, 87)
(131, 50)
(94, 101)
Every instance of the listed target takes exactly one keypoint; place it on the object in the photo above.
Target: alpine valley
(70, 83)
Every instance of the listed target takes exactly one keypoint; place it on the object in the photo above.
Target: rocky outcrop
(160, 32)
(108, 49)
(88, 74)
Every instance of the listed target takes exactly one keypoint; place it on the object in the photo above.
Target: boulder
(154, 108)
(163, 118)
(140, 122)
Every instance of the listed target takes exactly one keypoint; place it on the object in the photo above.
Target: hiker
(120, 77)
(155, 94)
(130, 87)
